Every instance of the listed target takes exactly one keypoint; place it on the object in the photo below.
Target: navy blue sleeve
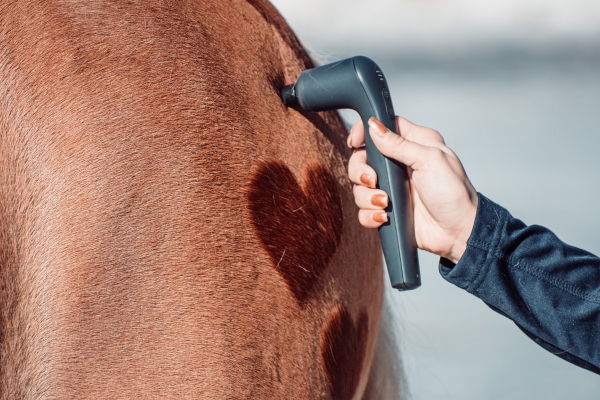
(549, 289)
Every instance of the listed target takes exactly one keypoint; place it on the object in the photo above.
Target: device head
(288, 94)
(329, 87)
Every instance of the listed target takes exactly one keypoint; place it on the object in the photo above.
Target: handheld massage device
(357, 83)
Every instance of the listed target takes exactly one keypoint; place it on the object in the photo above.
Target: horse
(168, 228)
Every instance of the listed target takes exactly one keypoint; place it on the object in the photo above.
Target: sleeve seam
(528, 268)
(558, 283)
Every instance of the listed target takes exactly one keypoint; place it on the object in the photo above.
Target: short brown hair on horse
(168, 228)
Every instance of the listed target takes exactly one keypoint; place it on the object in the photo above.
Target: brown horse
(168, 228)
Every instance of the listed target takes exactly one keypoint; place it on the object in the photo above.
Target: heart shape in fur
(299, 226)
(343, 346)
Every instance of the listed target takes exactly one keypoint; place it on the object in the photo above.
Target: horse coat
(168, 228)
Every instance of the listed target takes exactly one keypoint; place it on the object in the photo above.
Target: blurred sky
(443, 25)
(514, 88)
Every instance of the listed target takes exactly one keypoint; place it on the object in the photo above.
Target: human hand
(444, 200)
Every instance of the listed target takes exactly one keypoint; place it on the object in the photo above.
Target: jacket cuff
(472, 267)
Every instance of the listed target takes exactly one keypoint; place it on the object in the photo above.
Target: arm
(549, 289)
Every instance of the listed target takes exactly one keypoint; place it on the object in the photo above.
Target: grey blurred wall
(514, 88)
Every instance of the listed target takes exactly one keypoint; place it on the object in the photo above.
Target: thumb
(395, 146)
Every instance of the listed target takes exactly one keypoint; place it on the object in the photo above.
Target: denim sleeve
(549, 289)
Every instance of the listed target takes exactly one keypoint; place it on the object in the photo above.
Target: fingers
(399, 148)
(372, 218)
(419, 134)
(358, 170)
(356, 138)
(370, 199)
(408, 130)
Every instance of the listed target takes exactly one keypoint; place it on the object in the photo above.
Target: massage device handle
(359, 84)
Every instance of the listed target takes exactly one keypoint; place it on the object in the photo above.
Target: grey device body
(359, 84)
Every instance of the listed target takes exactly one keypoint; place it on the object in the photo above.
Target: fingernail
(378, 127)
(380, 217)
(379, 200)
(368, 180)
(349, 141)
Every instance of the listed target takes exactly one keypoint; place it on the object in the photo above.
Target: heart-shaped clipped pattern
(343, 345)
(299, 226)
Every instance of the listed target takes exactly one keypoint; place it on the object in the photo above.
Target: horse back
(168, 228)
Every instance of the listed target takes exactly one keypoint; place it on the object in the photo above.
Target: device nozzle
(288, 94)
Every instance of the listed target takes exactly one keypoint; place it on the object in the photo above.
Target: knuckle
(398, 145)
(353, 161)
(438, 136)
(449, 152)
(438, 153)
(359, 195)
(358, 154)
(398, 141)
(361, 217)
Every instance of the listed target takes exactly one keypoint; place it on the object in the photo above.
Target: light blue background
(514, 88)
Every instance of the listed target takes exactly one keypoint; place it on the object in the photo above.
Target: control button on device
(388, 103)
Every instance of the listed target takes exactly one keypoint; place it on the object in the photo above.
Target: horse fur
(132, 135)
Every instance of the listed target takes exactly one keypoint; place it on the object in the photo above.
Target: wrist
(462, 238)
(457, 251)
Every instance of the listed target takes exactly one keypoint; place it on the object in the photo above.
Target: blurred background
(514, 88)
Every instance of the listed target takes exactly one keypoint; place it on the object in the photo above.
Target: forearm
(550, 289)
